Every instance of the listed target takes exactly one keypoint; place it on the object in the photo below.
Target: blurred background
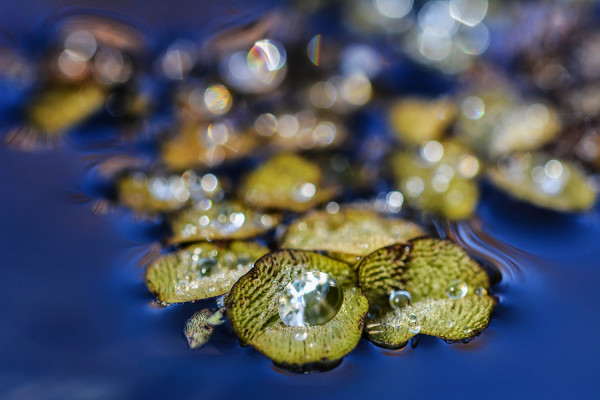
(477, 119)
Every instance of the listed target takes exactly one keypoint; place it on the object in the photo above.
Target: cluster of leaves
(369, 255)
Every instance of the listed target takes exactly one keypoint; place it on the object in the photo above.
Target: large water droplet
(311, 298)
(399, 299)
(457, 289)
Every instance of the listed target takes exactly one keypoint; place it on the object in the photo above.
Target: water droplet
(413, 324)
(481, 291)
(457, 289)
(311, 298)
(451, 323)
(466, 330)
(302, 335)
(400, 299)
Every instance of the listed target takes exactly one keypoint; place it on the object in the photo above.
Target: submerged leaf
(439, 179)
(220, 221)
(544, 181)
(253, 311)
(201, 271)
(201, 145)
(349, 234)
(447, 293)
(164, 193)
(286, 182)
(200, 327)
(417, 121)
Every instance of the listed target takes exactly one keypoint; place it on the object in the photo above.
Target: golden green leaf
(204, 145)
(220, 221)
(252, 308)
(286, 182)
(416, 121)
(59, 108)
(348, 234)
(201, 271)
(439, 179)
(545, 181)
(447, 291)
(158, 193)
(497, 122)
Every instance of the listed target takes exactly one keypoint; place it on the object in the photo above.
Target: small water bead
(481, 291)
(311, 298)
(300, 336)
(207, 266)
(466, 330)
(400, 299)
(414, 326)
(457, 289)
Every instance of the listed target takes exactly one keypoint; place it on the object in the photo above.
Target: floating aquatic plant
(439, 178)
(208, 220)
(205, 145)
(286, 182)
(496, 122)
(201, 271)
(56, 110)
(545, 181)
(156, 193)
(349, 233)
(429, 286)
(416, 121)
(200, 327)
(288, 308)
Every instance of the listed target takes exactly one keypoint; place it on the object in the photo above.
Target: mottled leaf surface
(201, 271)
(544, 181)
(253, 311)
(286, 182)
(200, 327)
(349, 234)
(432, 267)
(220, 221)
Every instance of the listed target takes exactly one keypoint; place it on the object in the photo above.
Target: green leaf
(206, 145)
(417, 121)
(286, 182)
(381, 272)
(201, 271)
(220, 221)
(200, 327)
(440, 179)
(349, 234)
(545, 181)
(495, 122)
(156, 193)
(252, 308)
(59, 108)
(433, 271)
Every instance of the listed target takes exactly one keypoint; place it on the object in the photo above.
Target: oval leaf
(220, 221)
(252, 308)
(201, 271)
(430, 276)
(349, 234)
(286, 182)
(544, 181)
